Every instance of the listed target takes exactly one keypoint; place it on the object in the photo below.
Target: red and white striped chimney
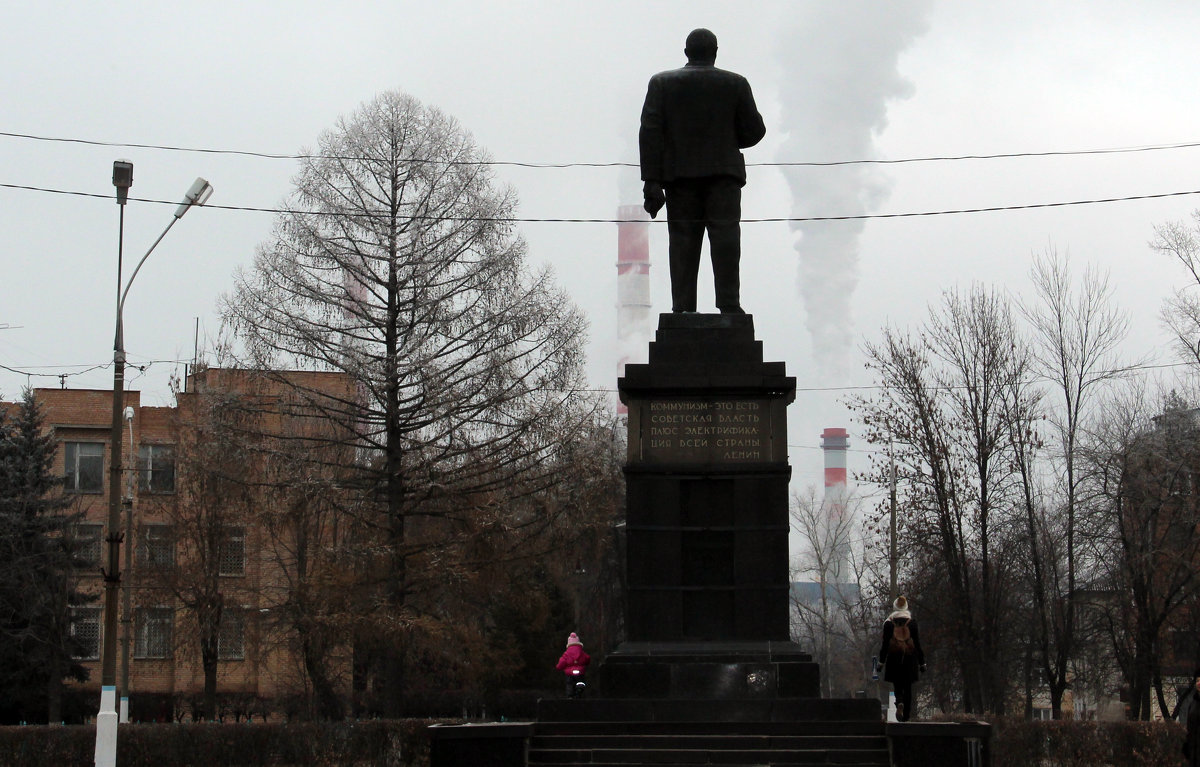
(835, 442)
(633, 284)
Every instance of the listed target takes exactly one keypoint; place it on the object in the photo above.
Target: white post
(106, 728)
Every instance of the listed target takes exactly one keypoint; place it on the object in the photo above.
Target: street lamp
(127, 586)
(106, 719)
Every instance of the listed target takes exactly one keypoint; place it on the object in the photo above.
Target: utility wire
(596, 389)
(510, 163)
(516, 220)
(29, 374)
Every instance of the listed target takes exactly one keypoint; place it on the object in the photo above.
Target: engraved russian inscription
(706, 431)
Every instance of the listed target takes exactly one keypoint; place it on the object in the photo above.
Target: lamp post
(106, 719)
(127, 587)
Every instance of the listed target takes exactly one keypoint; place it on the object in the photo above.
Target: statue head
(701, 46)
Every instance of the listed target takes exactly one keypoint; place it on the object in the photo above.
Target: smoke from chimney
(840, 73)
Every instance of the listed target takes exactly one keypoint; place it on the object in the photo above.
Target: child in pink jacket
(574, 663)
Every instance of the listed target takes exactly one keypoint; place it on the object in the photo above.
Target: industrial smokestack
(834, 443)
(633, 284)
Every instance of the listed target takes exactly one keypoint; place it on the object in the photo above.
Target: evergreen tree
(36, 577)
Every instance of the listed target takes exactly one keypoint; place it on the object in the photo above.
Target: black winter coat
(901, 667)
(694, 122)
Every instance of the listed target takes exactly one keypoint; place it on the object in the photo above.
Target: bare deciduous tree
(836, 620)
(397, 263)
(1147, 471)
(308, 542)
(946, 402)
(206, 533)
(1181, 312)
(1076, 331)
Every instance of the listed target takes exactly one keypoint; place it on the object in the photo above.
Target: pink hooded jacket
(574, 660)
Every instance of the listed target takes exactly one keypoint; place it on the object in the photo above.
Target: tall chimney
(834, 443)
(633, 284)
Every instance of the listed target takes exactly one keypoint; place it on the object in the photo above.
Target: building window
(231, 640)
(83, 463)
(152, 632)
(233, 552)
(156, 468)
(156, 546)
(89, 538)
(85, 633)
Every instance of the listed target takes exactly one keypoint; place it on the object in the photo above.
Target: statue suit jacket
(695, 121)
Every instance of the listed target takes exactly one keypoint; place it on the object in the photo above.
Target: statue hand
(654, 198)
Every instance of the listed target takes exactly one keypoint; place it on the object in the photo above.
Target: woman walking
(902, 656)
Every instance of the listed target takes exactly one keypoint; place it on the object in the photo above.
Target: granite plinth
(707, 350)
(709, 670)
(707, 486)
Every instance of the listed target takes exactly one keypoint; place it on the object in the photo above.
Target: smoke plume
(840, 73)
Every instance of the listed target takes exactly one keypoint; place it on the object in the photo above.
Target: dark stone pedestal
(721, 670)
(707, 674)
(707, 520)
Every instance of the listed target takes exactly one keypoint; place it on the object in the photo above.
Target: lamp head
(198, 194)
(122, 179)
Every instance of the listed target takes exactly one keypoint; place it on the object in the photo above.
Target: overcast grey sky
(562, 82)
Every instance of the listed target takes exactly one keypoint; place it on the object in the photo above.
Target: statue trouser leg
(685, 226)
(723, 210)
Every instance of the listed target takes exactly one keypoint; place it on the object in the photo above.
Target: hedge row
(1086, 744)
(404, 743)
(399, 743)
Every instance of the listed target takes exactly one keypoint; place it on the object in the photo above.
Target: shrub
(1086, 744)
(394, 743)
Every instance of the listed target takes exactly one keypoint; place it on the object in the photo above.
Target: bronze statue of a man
(695, 121)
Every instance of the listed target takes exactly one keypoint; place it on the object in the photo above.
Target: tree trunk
(327, 703)
(1056, 698)
(210, 633)
(1139, 701)
(209, 662)
(54, 689)
(1028, 713)
(360, 667)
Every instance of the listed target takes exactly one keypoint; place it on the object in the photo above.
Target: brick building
(258, 666)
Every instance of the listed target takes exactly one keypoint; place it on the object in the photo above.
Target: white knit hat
(573, 639)
(900, 604)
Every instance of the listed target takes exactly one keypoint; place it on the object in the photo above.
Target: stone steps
(777, 744)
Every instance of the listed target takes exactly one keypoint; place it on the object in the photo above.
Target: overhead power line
(29, 372)
(556, 165)
(519, 220)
